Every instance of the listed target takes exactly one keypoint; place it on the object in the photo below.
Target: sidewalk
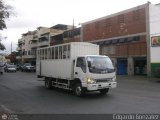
(137, 78)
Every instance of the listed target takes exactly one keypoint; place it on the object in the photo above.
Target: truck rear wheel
(104, 91)
(48, 83)
(79, 90)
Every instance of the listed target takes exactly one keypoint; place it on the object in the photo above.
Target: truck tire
(79, 90)
(104, 91)
(48, 83)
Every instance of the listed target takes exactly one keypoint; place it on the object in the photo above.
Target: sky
(30, 14)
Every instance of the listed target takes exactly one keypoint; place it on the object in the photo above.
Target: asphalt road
(22, 92)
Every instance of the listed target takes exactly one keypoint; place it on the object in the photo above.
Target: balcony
(18, 57)
(34, 45)
(43, 43)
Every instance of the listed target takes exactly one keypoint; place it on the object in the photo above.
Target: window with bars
(108, 22)
(56, 52)
(97, 25)
(120, 19)
(136, 15)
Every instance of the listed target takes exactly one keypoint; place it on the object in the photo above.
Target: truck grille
(103, 80)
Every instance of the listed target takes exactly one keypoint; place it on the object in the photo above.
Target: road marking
(5, 108)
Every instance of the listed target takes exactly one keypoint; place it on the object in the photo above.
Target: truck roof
(82, 43)
(93, 56)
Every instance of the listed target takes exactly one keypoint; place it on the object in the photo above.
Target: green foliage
(2, 47)
(4, 14)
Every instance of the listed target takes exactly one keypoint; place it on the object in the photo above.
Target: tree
(4, 14)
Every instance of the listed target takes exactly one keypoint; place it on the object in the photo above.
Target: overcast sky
(30, 14)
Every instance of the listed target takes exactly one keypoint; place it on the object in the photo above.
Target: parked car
(27, 67)
(10, 68)
(2, 64)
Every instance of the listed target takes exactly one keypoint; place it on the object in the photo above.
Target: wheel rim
(78, 90)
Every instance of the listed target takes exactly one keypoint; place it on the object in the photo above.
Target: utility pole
(73, 30)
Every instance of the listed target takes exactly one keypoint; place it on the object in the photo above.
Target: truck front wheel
(48, 83)
(104, 91)
(79, 90)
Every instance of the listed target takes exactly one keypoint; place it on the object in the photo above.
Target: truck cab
(95, 73)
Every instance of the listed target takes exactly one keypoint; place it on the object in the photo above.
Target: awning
(108, 42)
(115, 41)
(136, 38)
(122, 40)
(130, 39)
(100, 43)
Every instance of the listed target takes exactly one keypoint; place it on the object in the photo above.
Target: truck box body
(63, 68)
(76, 66)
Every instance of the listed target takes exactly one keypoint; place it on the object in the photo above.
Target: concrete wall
(155, 32)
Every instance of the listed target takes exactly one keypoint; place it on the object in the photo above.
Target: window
(45, 54)
(120, 19)
(38, 54)
(108, 22)
(97, 25)
(49, 53)
(53, 52)
(56, 52)
(29, 52)
(60, 52)
(81, 63)
(69, 48)
(42, 54)
(64, 51)
(136, 15)
(87, 27)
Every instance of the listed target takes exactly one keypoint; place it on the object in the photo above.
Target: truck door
(80, 68)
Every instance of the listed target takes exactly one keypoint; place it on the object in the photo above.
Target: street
(23, 92)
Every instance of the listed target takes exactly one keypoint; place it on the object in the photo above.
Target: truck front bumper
(99, 86)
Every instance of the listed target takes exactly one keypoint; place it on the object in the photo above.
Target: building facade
(41, 37)
(126, 38)
(131, 38)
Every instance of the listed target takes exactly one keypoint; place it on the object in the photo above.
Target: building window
(29, 52)
(136, 15)
(108, 22)
(87, 27)
(120, 19)
(97, 25)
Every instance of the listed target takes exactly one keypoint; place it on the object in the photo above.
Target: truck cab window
(81, 63)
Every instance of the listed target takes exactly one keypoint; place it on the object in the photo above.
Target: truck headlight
(114, 79)
(90, 81)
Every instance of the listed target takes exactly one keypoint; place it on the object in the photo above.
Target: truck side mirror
(89, 64)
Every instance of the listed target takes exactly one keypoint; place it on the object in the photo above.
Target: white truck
(76, 66)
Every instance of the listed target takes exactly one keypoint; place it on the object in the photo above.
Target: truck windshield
(100, 65)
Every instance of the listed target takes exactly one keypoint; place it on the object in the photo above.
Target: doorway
(122, 66)
(140, 66)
